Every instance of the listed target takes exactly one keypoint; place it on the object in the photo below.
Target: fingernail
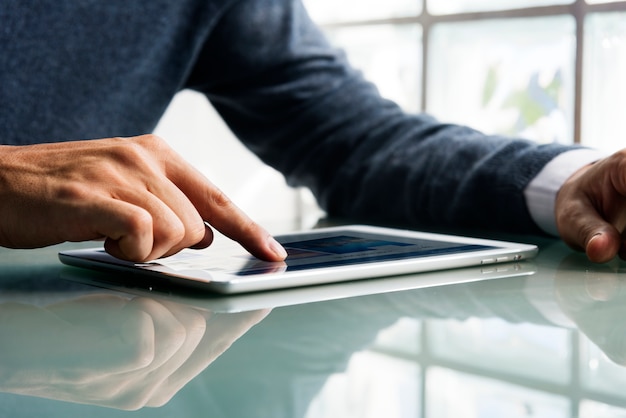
(594, 236)
(277, 248)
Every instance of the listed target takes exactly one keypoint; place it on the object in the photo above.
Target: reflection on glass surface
(604, 84)
(598, 373)
(591, 409)
(597, 303)
(437, 352)
(402, 338)
(541, 352)
(372, 386)
(460, 6)
(452, 394)
(112, 351)
(388, 55)
(328, 11)
(602, 1)
(513, 77)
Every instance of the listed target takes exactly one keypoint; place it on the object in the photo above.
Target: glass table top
(534, 339)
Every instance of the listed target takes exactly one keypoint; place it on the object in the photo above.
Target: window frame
(578, 10)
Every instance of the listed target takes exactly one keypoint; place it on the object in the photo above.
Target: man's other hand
(591, 209)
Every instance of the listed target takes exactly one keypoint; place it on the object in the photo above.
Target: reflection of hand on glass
(594, 297)
(110, 351)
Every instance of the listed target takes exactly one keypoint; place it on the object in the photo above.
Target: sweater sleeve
(295, 101)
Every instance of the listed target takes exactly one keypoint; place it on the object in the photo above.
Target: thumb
(602, 242)
(582, 227)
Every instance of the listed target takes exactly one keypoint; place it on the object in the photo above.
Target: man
(82, 70)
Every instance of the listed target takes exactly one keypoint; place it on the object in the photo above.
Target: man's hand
(136, 193)
(591, 209)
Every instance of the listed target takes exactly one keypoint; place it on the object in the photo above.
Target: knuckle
(152, 142)
(196, 232)
(138, 222)
(108, 173)
(135, 148)
(121, 152)
(219, 199)
(172, 233)
(151, 138)
(147, 151)
(73, 191)
(131, 153)
(251, 228)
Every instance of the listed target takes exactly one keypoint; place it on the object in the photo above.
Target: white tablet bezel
(221, 282)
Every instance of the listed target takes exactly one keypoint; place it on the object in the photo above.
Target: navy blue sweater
(83, 69)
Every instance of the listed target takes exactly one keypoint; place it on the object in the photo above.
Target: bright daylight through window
(548, 70)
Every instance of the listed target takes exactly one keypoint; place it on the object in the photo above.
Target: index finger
(221, 213)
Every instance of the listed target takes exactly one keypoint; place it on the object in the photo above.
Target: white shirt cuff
(541, 192)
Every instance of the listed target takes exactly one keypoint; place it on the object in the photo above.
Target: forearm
(295, 102)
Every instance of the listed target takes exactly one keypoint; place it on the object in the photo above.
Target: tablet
(317, 256)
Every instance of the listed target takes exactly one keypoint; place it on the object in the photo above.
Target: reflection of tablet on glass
(318, 256)
(165, 290)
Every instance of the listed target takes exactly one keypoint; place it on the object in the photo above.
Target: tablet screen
(342, 250)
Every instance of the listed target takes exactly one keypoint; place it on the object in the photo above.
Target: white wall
(195, 130)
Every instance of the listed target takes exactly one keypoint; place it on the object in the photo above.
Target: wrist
(541, 192)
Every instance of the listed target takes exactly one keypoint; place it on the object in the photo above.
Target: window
(548, 70)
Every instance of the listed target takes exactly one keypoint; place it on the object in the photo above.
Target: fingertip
(255, 239)
(206, 240)
(277, 249)
(602, 247)
(267, 249)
